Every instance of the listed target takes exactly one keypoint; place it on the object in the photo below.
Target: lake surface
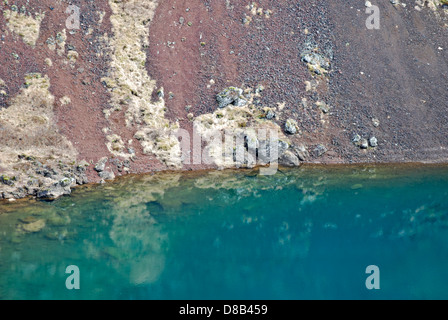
(308, 233)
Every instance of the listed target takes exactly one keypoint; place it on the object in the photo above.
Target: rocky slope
(111, 96)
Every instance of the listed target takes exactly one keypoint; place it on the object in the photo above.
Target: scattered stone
(25, 157)
(53, 192)
(46, 172)
(19, 193)
(316, 62)
(7, 180)
(301, 152)
(101, 165)
(291, 126)
(375, 122)
(323, 106)
(259, 89)
(7, 195)
(265, 150)
(364, 144)
(270, 114)
(107, 175)
(356, 138)
(80, 176)
(231, 96)
(320, 150)
(373, 141)
(289, 159)
(65, 182)
(127, 164)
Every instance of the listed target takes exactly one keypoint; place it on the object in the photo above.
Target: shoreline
(117, 105)
(192, 174)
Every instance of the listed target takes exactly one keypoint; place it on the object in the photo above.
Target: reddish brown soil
(81, 120)
(403, 68)
(403, 84)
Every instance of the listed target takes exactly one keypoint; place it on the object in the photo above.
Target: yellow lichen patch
(130, 85)
(256, 10)
(28, 125)
(61, 38)
(65, 100)
(25, 26)
(101, 14)
(72, 56)
(247, 20)
(115, 144)
(58, 42)
(434, 5)
(163, 143)
(2, 85)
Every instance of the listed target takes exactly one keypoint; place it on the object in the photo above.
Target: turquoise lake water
(307, 233)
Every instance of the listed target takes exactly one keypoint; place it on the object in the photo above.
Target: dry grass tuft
(25, 26)
(27, 125)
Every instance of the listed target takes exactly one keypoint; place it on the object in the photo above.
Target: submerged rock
(58, 220)
(27, 220)
(33, 226)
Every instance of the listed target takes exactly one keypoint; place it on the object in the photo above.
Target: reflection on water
(304, 233)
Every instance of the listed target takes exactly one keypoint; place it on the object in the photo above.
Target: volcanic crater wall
(115, 89)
